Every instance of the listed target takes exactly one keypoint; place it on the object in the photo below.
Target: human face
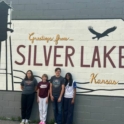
(67, 77)
(58, 72)
(29, 74)
(44, 79)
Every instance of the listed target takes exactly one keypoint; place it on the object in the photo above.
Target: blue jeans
(57, 108)
(68, 111)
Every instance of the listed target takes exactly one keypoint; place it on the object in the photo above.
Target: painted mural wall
(92, 50)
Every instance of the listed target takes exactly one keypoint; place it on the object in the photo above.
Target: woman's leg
(65, 110)
(23, 106)
(41, 108)
(30, 102)
(70, 112)
(45, 106)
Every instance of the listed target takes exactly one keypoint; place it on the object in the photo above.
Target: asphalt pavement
(10, 122)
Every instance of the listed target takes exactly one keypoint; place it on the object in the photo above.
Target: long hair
(70, 81)
(32, 76)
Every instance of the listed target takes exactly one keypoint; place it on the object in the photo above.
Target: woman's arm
(38, 95)
(74, 95)
(36, 85)
(35, 89)
(22, 87)
(48, 96)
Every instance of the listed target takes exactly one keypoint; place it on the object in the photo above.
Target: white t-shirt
(69, 90)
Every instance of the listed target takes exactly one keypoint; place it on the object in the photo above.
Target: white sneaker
(26, 121)
(55, 123)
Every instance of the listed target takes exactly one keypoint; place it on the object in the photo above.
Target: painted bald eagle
(100, 35)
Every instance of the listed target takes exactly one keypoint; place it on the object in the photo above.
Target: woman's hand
(47, 100)
(52, 98)
(72, 101)
(37, 100)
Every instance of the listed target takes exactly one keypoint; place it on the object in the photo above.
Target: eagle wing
(93, 31)
(109, 30)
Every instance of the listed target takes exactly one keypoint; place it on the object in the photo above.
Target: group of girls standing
(62, 92)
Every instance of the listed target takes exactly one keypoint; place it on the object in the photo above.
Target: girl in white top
(69, 98)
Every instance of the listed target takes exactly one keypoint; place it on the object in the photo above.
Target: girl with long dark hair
(69, 98)
(28, 87)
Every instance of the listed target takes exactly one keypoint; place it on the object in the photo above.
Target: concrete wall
(10, 106)
(88, 109)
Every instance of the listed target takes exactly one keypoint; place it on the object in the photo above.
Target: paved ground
(9, 122)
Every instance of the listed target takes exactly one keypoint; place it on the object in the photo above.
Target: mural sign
(92, 50)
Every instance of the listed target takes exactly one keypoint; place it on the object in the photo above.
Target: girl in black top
(28, 87)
